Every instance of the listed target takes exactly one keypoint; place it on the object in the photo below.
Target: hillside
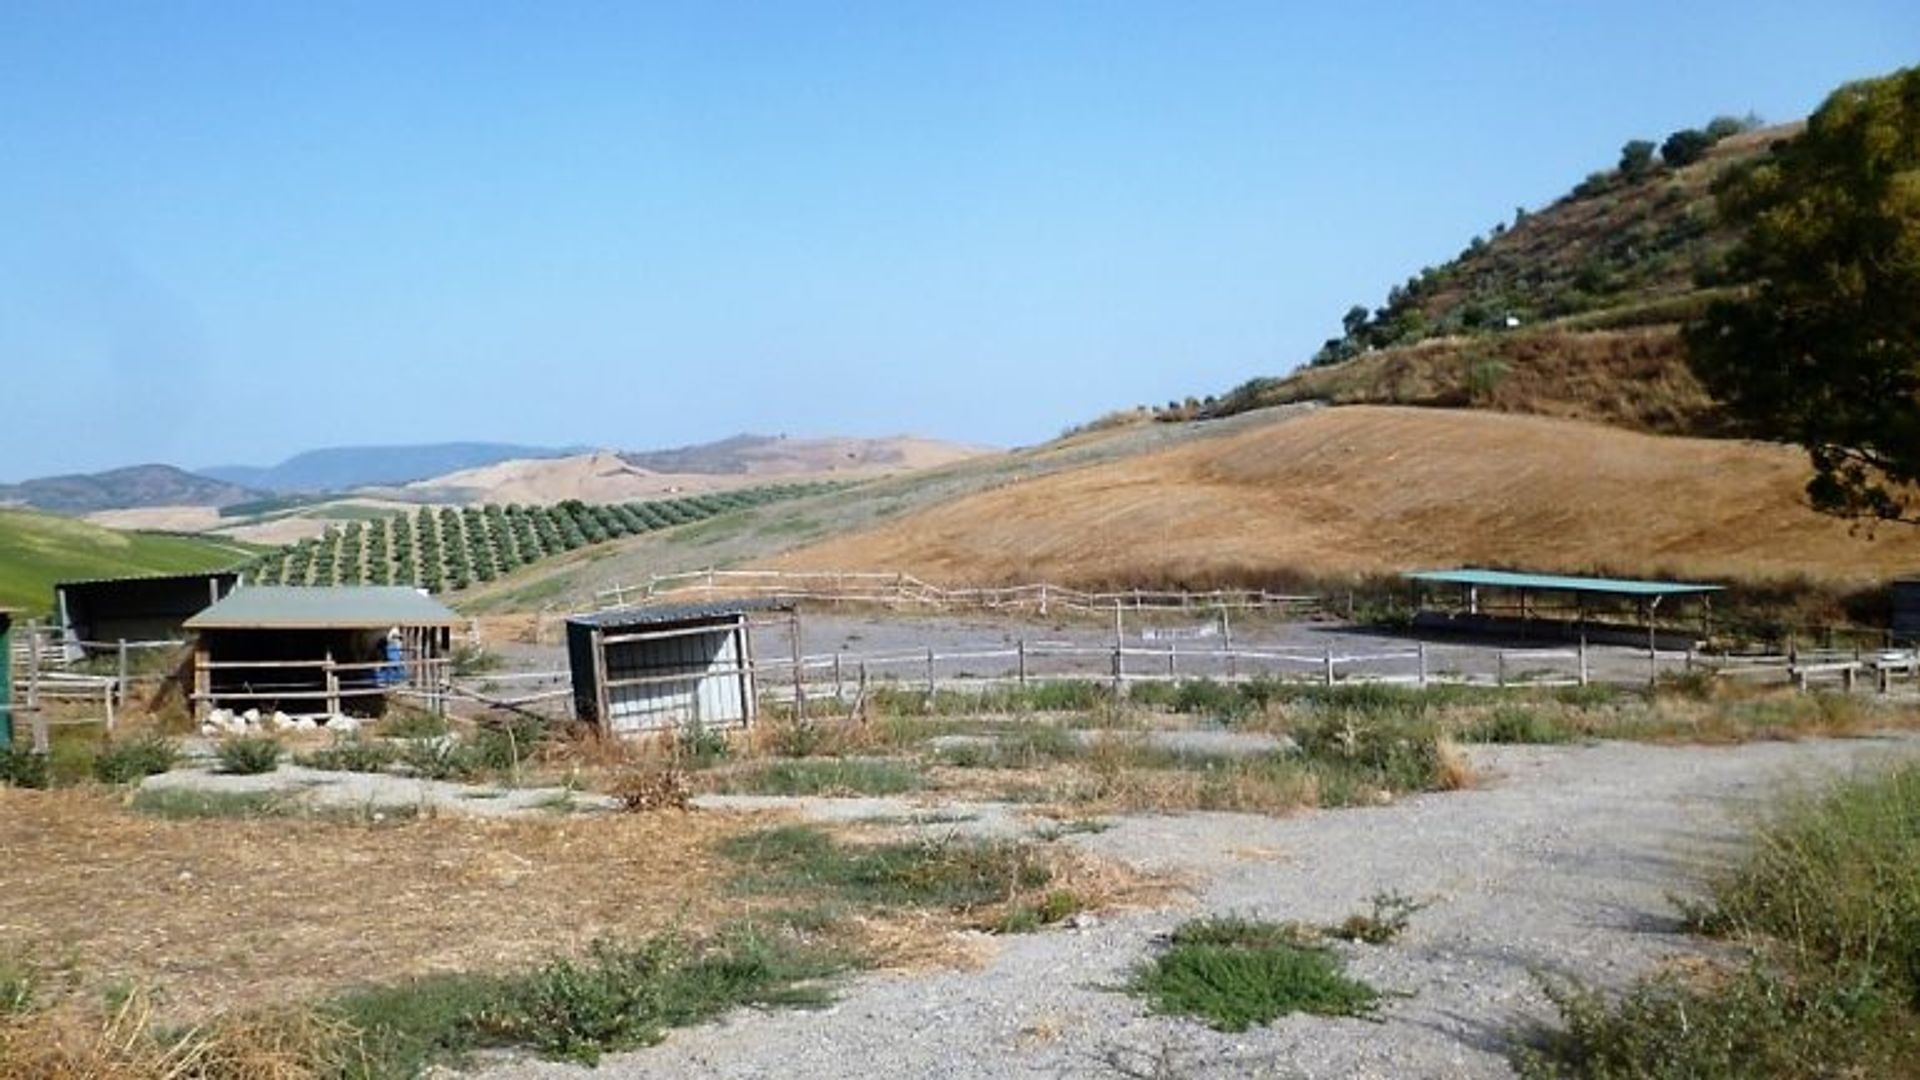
(344, 468)
(731, 464)
(38, 550)
(1573, 310)
(1347, 492)
(769, 455)
(136, 486)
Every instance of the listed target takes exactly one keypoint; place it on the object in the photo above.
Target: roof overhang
(284, 607)
(1508, 579)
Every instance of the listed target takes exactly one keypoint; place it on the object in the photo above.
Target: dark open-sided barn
(94, 615)
(1507, 603)
(1906, 610)
(320, 651)
(661, 668)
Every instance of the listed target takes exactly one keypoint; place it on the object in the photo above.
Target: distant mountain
(123, 489)
(343, 468)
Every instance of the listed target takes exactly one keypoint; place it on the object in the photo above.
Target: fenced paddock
(904, 591)
(845, 653)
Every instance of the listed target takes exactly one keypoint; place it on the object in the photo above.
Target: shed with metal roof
(97, 613)
(1622, 610)
(321, 652)
(667, 667)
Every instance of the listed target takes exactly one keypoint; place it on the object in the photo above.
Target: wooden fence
(906, 591)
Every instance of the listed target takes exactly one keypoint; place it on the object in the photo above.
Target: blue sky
(237, 231)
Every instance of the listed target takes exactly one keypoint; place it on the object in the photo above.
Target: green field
(37, 550)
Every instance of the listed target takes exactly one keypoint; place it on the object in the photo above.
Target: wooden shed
(664, 667)
(96, 614)
(318, 652)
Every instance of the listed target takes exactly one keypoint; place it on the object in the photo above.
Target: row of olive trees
(450, 548)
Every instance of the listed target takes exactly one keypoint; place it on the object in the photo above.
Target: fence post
(106, 700)
(1119, 672)
(839, 684)
(1583, 658)
(1653, 655)
(929, 675)
(1173, 650)
(333, 686)
(42, 741)
(33, 664)
(799, 667)
(862, 699)
(1500, 669)
(1226, 637)
(1421, 648)
(1020, 650)
(123, 673)
(1329, 663)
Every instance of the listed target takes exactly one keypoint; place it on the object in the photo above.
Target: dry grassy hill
(1598, 283)
(1348, 492)
(741, 462)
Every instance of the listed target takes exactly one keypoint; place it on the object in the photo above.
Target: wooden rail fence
(906, 591)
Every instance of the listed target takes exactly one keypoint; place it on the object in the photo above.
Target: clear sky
(236, 231)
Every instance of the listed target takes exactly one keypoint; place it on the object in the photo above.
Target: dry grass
(215, 913)
(80, 1042)
(1350, 492)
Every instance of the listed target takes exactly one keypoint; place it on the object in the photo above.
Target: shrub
(21, 767)
(624, 997)
(440, 758)
(1516, 724)
(1636, 159)
(1388, 916)
(1685, 147)
(950, 873)
(352, 753)
(504, 747)
(1234, 973)
(247, 755)
(643, 790)
(125, 761)
(699, 746)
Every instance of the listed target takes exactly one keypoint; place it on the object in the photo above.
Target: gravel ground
(1562, 861)
(374, 791)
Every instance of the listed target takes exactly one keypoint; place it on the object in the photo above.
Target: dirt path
(1562, 861)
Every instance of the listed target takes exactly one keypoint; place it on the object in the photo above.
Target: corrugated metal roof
(1507, 579)
(200, 576)
(661, 614)
(288, 607)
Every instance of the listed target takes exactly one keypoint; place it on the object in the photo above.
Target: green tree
(1636, 159)
(1685, 147)
(1721, 127)
(1823, 346)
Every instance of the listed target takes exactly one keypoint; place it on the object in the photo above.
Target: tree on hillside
(1823, 347)
(1636, 159)
(1686, 146)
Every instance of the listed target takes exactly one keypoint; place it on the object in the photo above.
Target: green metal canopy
(291, 607)
(1507, 579)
